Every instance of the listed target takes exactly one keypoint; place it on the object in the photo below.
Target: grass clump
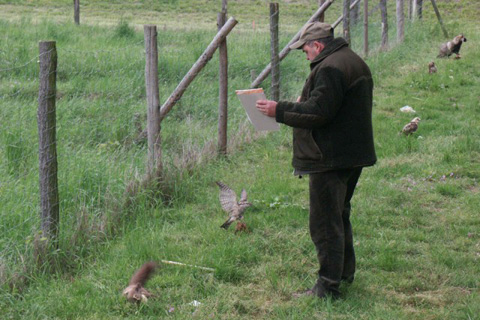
(124, 30)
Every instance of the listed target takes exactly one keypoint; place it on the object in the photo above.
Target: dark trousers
(330, 228)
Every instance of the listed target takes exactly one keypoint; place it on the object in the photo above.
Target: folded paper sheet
(260, 121)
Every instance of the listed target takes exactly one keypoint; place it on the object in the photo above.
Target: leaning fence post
(47, 144)
(400, 21)
(275, 60)
(321, 18)
(223, 88)
(153, 104)
(434, 4)
(196, 68)
(76, 11)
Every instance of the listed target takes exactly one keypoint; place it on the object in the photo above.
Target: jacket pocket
(304, 146)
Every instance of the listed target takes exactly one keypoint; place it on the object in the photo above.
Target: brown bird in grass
(411, 127)
(432, 68)
(228, 200)
(451, 47)
(135, 292)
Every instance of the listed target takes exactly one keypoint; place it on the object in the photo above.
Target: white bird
(228, 200)
(411, 127)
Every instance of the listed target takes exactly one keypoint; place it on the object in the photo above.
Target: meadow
(415, 213)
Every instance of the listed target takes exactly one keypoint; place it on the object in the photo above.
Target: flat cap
(313, 31)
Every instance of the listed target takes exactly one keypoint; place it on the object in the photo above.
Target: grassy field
(415, 213)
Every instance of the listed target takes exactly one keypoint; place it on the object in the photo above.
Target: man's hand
(267, 107)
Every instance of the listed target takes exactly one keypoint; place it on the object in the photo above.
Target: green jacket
(332, 123)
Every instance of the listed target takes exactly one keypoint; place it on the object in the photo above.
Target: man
(332, 142)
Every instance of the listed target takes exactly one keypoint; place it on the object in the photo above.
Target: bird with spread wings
(234, 208)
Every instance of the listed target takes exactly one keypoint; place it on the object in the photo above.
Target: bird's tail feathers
(226, 224)
(142, 275)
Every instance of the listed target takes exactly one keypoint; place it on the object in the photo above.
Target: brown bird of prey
(228, 200)
(135, 292)
(432, 68)
(411, 127)
(451, 47)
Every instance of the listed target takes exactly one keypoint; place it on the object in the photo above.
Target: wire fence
(101, 118)
(100, 125)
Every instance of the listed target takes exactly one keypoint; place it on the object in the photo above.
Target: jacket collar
(333, 46)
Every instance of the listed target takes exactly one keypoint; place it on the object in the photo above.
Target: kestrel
(411, 127)
(228, 200)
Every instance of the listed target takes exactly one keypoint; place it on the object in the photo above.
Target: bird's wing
(243, 196)
(228, 197)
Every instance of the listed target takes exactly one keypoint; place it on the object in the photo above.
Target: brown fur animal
(451, 47)
(432, 68)
(135, 292)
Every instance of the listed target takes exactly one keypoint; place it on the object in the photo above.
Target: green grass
(415, 213)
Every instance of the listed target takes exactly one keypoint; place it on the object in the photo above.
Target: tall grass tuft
(124, 30)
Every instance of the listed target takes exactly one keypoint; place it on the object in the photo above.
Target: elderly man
(332, 142)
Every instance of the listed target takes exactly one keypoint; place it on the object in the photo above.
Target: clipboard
(261, 122)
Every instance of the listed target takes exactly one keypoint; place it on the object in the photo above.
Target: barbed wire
(36, 58)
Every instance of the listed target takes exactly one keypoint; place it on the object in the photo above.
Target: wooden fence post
(346, 20)
(365, 28)
(383, 8)
(275, 61)
(434, 4)
(47, 144)
(400, 21)
(410, 7)
(354, 14)
(340, 19)
(253, 75)
(414, 10)
(155, 166)
(223, 89)
(419, 9)
(76, 11)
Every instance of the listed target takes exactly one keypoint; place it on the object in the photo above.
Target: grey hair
(325, 41)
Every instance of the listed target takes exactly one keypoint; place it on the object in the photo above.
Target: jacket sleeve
(321, 106)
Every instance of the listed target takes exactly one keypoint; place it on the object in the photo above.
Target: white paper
(260, 121)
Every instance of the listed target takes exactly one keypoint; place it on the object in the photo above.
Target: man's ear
(319, 46)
